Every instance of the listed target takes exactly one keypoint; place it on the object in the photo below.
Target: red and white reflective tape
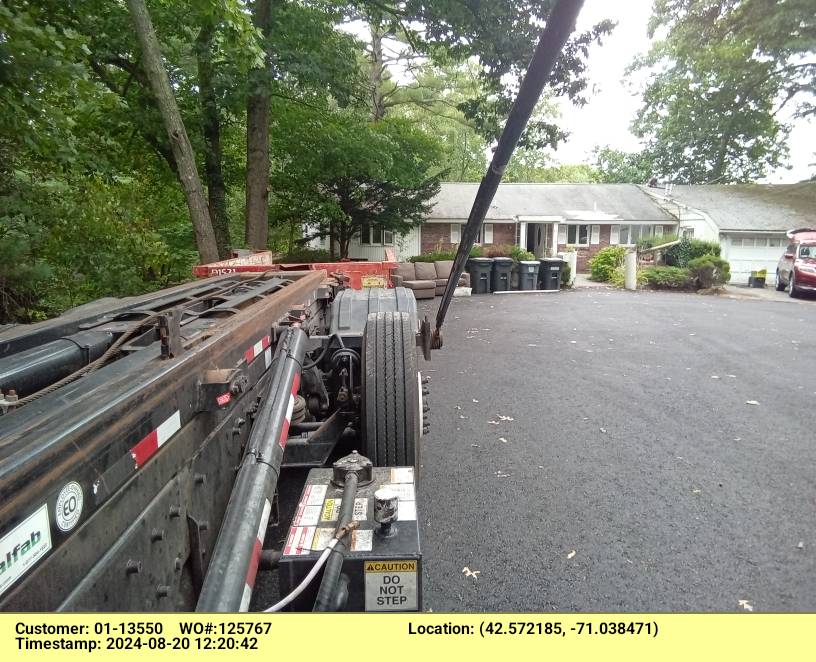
(255, 559)
(289, 409)
(145, 449)
(257, 349)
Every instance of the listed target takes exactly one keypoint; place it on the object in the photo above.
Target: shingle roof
(746, 207)
(590, 202)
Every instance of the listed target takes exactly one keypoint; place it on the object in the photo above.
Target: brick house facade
(437, 236)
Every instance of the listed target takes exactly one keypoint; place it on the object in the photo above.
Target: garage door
(748, 253)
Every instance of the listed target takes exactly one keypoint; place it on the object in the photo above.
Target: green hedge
(667, 278)
(710, 271)
(606, 260)
(681, 254)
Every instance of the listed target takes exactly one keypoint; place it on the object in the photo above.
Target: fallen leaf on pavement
(505, 418)
(494, 422)
(696, 491)
(801, 545)
(571, 554)
(475, 400)
(503, 440)
(746, 605)
(471, 573)
(751, 402)
(602, 430)
(715, 376)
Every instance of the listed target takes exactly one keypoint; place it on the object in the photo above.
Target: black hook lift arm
(560, 25)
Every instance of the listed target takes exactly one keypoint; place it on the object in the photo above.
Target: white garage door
(747, 253)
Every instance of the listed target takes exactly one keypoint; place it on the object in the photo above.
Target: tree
(182, 150)
(718, 82)
(501, 34)
(614, 166)
(340, 174)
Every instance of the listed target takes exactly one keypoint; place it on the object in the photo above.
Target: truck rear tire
(391, 399)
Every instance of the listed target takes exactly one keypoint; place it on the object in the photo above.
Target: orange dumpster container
(358, 275)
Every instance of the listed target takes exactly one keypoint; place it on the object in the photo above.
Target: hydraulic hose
(328, 586)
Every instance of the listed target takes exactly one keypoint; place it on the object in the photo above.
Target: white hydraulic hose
(313, 572)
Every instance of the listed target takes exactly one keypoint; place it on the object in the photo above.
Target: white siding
(756, 255)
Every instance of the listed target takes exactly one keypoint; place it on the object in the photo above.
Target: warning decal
(299, 541)
(406, 511)
(306, 515)
(402, 475)
(391, 585)
(322, 539)
(405, 491)
(313, 495)
(362, 540)
(331, 510)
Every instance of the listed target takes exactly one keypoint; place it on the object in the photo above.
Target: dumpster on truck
(356, 274)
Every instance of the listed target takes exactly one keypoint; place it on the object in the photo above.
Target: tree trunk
(257, 163)
(332, 240)
(211, 128)
(180, 143)
(377, 70)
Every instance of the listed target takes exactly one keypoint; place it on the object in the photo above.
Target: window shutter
(455, 235)
(488, 233)
(562, 234)
(595, 236)
(614, 237)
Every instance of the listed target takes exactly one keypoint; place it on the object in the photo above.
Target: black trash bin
(502, 268)
(527, 274)
(479, 269)
(549, 274)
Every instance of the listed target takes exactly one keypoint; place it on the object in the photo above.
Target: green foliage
(680, 254)
(433, 256)
(340, 173)
(710, 107)
(709, 271)
(23, 276)
(666, 278)
(613, 166)
(605, 261)
(651, 242)
(306, 255)
(566, 275)
(518, 254)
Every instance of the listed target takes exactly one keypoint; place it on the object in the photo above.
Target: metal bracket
(170, 334)
(424, 339)
(219, 387)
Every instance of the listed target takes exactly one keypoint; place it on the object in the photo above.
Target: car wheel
(780, 286)
(792, 291)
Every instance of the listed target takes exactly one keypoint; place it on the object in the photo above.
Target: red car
(796, 270)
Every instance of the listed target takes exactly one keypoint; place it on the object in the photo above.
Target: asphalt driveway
(658, 453)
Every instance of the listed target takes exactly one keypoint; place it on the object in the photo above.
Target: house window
(628, 235)
(374, 235)
(688, 233)
(578, 235)
(458, 228)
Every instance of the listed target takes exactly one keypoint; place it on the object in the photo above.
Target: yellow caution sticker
(391, 585)
(331, 510)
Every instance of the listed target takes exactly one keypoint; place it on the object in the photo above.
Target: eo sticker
(69, 506)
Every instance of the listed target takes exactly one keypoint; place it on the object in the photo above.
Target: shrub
(651, 242)
(497, 250)
(304, 255)
(605, 262)
(433, 256)
(689, 249)
(667, 278)
(518, 254)
(619, 277)
(709, 271)
(566, 274)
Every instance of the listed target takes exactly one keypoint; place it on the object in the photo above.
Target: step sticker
(361, 509)
(405, 491)
(23, 546)
(391, 585)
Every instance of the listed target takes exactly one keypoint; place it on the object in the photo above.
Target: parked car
(796, 270)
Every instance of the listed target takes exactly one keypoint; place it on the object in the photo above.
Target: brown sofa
(426, 279)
